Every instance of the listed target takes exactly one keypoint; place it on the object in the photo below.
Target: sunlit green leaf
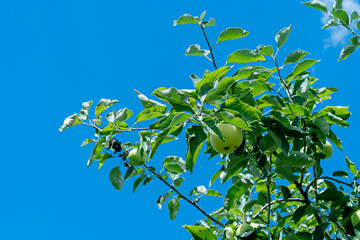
(148, 103)
(346, 51)
(200, 232)
(317, 5)
(194, 50)
(350, 165)
(282, 36)
(178, 100)
(162, 199)
(70, 121)
(185, 19)
(303, 65)
(103, 105)
(245, 56)
(341, 15)
(195, 138)
(232, 33)
(84, 113)
(295, 56)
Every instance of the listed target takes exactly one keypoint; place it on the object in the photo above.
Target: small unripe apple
(327, 149)
(230, 232)
(355, 218)
(243, 228)
(233, 137)
(135, 157)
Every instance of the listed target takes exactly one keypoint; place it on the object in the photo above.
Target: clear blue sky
(54, 55)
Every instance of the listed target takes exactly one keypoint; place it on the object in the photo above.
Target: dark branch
(182, 196)
(210, 48)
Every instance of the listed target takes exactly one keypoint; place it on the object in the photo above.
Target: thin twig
(278, 201)
(357, 35)
(282, 81)
(330, 178)
(182, 196)
(210, 48)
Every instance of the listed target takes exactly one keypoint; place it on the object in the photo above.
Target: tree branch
(342, 23)
(330, 178)
(277, 201)
(182, 196)
(210, 48)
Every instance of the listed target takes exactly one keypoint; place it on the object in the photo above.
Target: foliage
(276, 175)
(339, 17)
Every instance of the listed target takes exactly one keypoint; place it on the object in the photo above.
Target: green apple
(327, 149)
(135, 157)
(243, 228)
(233, 137)
(230, 232)
(355, 218)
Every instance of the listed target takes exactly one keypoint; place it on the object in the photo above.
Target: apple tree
(269, 131)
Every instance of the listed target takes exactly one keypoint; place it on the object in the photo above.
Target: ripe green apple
(230, 232)
(243, 228)
(327, 149)
(233, 137)
(355, 218)
(135, 157)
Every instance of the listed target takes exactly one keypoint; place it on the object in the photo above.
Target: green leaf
(299, 213)
(279, 138)
(212, 193)
(194, 50)
(138, 181)
(209, 23)
(84, 113)
(265, 50)
(175, 118)
(235, 192)
(96, 151)
(162, 199)
(358, 24)
(148, 114)
(244, 56)
(338, 4)
(232, 167)
(148, 103)
(282, 36)
(200, 232)
(303, 65)
(247, 112)
(331, 22)
(87, 141)
(285, 191)
(195, 138)
(350, 165)
(103, 105)
(211, 77)
(317, 5)
(330, 194)
(230, 118)
(185, 19)
(147, 180)
(346, 51)
(173, 207)
(177, 99)
(208, 124)
(157, 141)
(70, 121)
(198, 190)
(335, 140)
(116, 179)
(232, 33)
(340, 174)
(341, 15)
(202, 15)
(354, 15)
(295, 56)
(323, 125)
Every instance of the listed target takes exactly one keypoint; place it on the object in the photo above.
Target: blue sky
(54, 55)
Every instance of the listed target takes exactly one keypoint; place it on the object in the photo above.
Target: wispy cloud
(338, 35)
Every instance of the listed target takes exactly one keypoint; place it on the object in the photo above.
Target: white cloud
(338, 35)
